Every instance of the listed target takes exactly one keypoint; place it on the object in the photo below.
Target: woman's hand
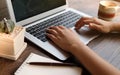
(63, 37)
(95, 23)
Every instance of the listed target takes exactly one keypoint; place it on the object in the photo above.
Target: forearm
(95, 64)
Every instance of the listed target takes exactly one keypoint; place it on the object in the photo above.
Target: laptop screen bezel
(34, 18)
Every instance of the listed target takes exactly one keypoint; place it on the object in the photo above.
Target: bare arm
(94, 63)
(61, 36)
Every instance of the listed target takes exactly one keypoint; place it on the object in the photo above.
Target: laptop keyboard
(67, 19)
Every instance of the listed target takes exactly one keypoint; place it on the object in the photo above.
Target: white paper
(26, 69)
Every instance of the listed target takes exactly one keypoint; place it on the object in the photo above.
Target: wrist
(112, 27)
(76, 46)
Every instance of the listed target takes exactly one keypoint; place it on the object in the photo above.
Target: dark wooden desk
(106, 45)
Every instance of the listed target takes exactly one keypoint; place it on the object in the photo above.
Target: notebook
(26, 69)
(37, 15)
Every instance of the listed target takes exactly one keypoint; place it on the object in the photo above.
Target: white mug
(107, 9)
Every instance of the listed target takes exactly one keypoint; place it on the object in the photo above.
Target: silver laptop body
(29, 13)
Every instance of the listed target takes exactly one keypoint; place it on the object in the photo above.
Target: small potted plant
(11, 39)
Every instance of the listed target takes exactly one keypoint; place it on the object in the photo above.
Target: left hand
(95, 23)
(63, 37)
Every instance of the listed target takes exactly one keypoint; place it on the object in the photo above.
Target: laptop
(37, 15)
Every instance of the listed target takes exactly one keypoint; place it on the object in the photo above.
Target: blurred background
(92, 6)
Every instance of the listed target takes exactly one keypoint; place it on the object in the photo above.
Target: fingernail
(91, 24)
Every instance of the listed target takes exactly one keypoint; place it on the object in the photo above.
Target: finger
(81, 23)
(88, 21)
(93, 20)
(95, 26)
(52, 37)
(58, 29)
(51, 31)
(62, 27)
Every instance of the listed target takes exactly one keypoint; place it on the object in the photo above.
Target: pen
(51, 64)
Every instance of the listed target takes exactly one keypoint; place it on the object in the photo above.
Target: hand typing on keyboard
(67, 19)
(64, 37)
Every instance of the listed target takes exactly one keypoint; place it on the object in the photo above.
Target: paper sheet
(26, 69)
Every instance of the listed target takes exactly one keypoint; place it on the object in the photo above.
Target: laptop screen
(24, 9)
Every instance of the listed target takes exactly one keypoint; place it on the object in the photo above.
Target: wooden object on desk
(102, 44)
(12, 45)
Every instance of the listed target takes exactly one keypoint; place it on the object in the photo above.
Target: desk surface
(106, 45)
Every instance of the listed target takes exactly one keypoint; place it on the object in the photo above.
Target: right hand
(65, 38)
(95, 23)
